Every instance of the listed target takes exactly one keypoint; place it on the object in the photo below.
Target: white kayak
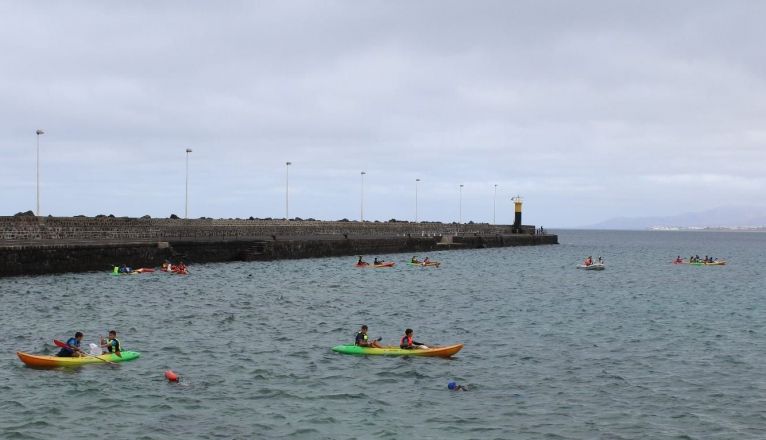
(594, 266)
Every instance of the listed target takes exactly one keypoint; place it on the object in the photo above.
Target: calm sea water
(642, 350)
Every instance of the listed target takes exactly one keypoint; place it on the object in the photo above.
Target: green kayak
(444, 351)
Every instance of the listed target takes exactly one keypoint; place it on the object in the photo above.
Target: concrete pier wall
(111, 228)
(42, 246)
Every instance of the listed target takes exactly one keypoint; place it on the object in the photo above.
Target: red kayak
(380, 265)
(178, 270)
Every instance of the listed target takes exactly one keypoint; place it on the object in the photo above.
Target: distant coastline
(709, 228)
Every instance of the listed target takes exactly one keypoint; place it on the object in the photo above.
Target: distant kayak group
(695, 260)
(178, 269)
(426, 262)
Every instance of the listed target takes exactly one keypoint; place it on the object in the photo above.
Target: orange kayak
(44, 361)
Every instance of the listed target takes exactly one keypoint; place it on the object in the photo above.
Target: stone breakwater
(32, 245)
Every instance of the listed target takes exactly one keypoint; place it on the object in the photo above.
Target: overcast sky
(588, 110)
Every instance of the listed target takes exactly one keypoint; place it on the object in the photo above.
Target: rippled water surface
(644, 349)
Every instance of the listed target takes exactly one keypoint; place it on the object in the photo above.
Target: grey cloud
(604, 102)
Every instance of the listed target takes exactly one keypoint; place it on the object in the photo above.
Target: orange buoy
(171, 376)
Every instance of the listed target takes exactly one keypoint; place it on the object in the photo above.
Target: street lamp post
(494, 206)
(460, 206)
(39, 132)
(416, 199)
(287, 190)
(361, 211)
(186, 197)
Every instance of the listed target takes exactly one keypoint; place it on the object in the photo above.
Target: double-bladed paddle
(65, 345)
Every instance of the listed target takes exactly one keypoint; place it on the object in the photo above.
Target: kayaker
(361, 262)
(111, 344)
(588, 261)
(363, 340)
(454, 386)
(181, 268)
(73, 347)
(426, 260)
(408, 343)
(414, 260)
(600, 260)
(376, 262)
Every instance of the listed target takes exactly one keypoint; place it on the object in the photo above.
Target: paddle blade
(60, 344)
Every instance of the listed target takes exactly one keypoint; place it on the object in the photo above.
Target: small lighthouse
(517, 214)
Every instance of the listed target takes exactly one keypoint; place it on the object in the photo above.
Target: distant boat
(594, 266)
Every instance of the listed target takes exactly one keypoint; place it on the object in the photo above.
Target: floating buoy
(171, 376)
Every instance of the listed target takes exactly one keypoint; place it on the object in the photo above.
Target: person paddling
(111, 344)
(361, 262)
(363, 340)
(73, 347)
(376, 261)
(408, 343)
(414, 260)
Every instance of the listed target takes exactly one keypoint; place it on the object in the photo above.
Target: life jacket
(67, 351)
(365, 337)
(113, 345)
(406, 341)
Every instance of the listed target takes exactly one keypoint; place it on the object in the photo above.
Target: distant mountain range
(727, 217)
